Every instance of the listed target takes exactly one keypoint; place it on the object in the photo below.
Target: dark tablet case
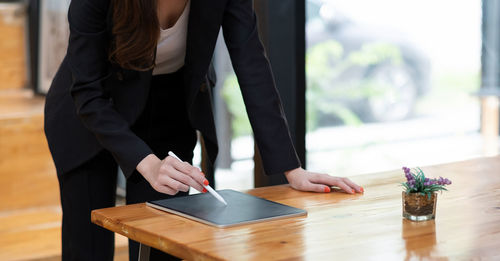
(241, 208)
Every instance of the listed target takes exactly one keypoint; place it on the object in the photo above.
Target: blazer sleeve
(89, 65)
(260, 95)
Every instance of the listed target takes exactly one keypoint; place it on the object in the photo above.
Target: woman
(133, 86)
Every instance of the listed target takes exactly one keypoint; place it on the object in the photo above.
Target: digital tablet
(241, 208)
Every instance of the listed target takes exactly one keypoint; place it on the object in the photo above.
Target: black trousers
(164, 126)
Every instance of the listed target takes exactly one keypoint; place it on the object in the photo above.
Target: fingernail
(362, 190)
(204, 190)
(205, 182)
(353, 191)
(327, 189)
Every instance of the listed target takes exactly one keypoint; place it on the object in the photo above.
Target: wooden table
(339, 226)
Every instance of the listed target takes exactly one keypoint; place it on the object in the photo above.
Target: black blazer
(92, 103)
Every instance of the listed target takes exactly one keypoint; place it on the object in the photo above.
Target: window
(390, 83)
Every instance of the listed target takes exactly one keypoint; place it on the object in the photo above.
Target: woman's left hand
(301, 179)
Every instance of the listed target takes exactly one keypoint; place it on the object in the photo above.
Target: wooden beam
(490, 116)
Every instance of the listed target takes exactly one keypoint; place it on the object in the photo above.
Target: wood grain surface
(12, 46)
(365, 226)
(27, 173)
(30, 215)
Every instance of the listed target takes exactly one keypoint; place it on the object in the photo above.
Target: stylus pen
(209, 189)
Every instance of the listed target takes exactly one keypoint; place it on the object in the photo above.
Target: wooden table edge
(175, 248)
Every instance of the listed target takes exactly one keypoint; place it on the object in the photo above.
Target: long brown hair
(135, 34)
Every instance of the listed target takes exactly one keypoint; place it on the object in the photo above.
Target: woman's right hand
(170, 176)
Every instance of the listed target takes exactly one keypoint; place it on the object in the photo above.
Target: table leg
(144, 251)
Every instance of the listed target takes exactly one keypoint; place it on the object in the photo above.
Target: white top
(171, 48)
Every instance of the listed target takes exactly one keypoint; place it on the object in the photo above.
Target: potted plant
(420, 197)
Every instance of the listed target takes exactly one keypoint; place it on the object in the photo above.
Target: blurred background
(388, 84)
(367, 86)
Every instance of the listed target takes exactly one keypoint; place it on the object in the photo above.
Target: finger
(181, 166)
(345, 187)
(188, 169)
(165, 189)
(193, 172)
(332, 181)
(185, 179)
(353, 185)
(170, 181)
(198, 177)
(316, 188)
(201, 172)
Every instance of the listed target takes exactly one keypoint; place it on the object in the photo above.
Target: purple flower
(407, 171)
(446, 182)
(442, 181)
(422, 184)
